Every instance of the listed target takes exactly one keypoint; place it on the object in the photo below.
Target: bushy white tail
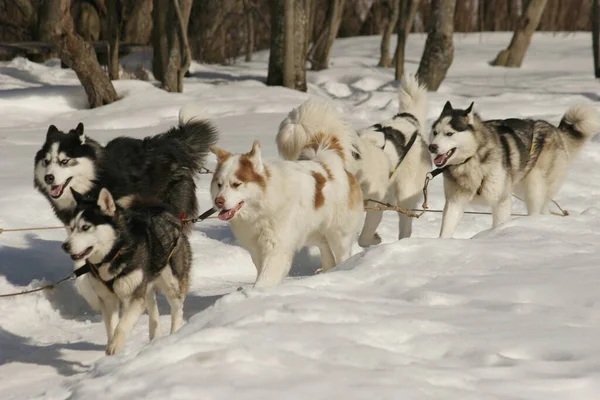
(315, 120)
(579, 124)
(412, 96)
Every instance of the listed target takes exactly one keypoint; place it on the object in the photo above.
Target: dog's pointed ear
(51, 131)
(447, 108)
(79, 132)
(106, 203)
(470, 114)
(78, 197)
(255, 155)
(221, 154)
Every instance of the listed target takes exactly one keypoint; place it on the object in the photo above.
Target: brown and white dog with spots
(277, 208)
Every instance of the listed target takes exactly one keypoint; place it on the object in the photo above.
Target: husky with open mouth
(163, 165)
(276, 209)
(487, 161)
(132, 252)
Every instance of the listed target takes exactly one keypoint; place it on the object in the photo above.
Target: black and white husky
(163, 165)
(486, 161)
(131, 253)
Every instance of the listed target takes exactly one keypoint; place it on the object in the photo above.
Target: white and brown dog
(276, 209)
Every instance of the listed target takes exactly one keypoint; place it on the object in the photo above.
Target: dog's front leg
(131, 313)
(453, 212)
(274, 269)
(501, 211)
(109, 306)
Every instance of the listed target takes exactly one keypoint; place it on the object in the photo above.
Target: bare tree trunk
(170, 43)
(249, 14)
(289, 75)
(596, 37)
(320, 54)
(79, 55)
(287, 59)
(114, 32)
(515, 53)
(439, 47)
(183, 16)
(408, 11)
(160, 42)
(301, 28)
(45, 28)
(385, 61)
(138, 25)
(275, 74)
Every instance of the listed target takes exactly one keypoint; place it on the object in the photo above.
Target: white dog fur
(275, 209)
(375, 158)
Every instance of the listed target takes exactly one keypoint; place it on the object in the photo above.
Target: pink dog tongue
(227, 214)
(56, 191)
(440, 159)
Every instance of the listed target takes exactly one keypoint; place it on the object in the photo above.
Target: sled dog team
(123, 202)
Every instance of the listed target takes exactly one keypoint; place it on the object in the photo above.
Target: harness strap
(407, 148)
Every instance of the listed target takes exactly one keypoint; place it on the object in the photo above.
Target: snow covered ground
(510, 313)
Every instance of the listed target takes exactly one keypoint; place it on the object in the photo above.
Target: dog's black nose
(49, 179)
(433, 148)
(66, 247)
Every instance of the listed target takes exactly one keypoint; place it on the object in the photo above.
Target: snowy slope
(510, 314)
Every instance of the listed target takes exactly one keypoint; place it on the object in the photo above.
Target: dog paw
(373, 241)
(115, 344)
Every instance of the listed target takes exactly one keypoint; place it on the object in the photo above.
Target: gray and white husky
(131, 253)
(487, 161)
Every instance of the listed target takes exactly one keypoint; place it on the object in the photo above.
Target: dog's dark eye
(449, 133)
(85, 227)
(235, 185)
(65, 161)
(45, 163)
(219, 185)
(434, 133)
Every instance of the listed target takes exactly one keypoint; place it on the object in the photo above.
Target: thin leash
(77, 273)
(203, 170)
(416, 213)
(39, 228)
(91, 268)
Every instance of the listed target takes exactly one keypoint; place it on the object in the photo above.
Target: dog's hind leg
(536, 193)
(327, 258)
(404, 226)
(368, 236)
(171, 288)
(153, 313)
(131, 313)
(341, 245)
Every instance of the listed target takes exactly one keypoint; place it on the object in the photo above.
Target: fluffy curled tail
(412, 96)
(313, 127)
(196, 135)
(579, 124)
